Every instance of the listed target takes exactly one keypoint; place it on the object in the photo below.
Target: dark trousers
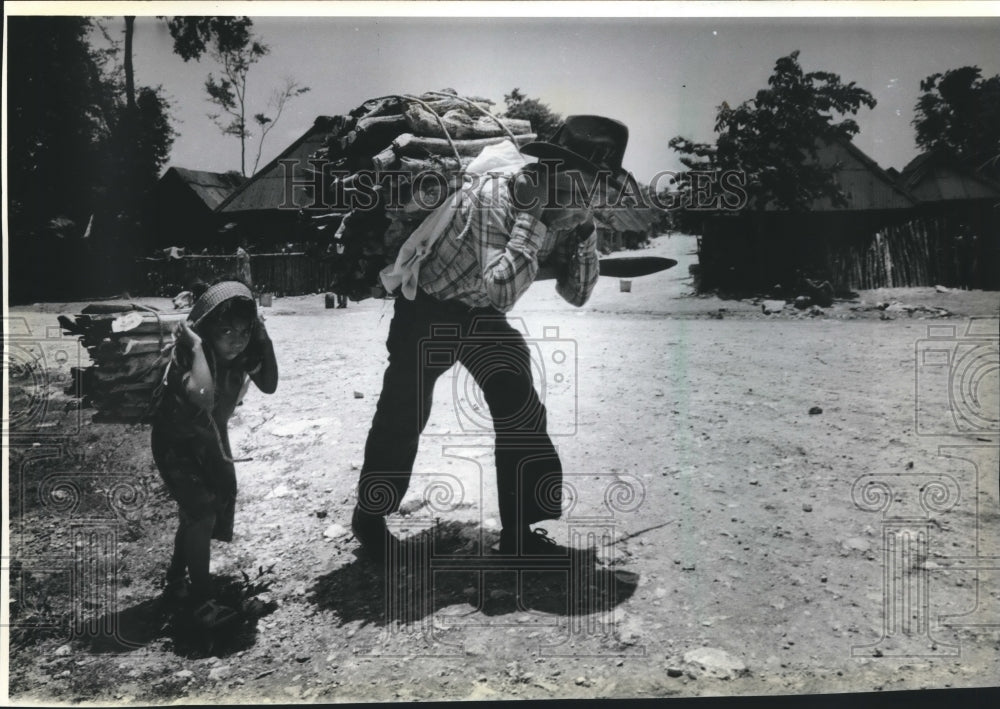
(426, 339)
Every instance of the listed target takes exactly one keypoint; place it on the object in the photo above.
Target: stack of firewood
(437, 135)
(129, 346)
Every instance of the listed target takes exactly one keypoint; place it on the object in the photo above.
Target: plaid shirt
(490, 252)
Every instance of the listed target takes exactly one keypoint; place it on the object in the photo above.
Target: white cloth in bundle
(499, 159)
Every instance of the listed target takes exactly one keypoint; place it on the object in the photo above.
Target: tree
(129, 72)
(55, 126)
(543, 120)
(772, 139)
(136, 148)
(79, 161)
(279, 97)
(958, 115)
(230, 41)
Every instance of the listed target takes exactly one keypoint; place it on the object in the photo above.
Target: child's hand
(187, 336)
(259, 331)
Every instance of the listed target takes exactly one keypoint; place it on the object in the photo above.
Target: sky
(661, 76)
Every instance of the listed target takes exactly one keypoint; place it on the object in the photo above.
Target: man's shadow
(452, 564)
(159, 618)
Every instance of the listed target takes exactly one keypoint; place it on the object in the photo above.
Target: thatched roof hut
(266, 208)
(965, 204)
(755, 250)
(185, 202)
(932, 224)
(933, 177)
(273, 187)
(866, 186)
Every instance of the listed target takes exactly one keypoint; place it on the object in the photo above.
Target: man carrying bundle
(485, 258)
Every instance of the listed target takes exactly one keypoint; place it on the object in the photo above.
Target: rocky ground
(797, 502)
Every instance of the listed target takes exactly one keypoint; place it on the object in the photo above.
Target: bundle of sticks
(395, 159)
(130, 346)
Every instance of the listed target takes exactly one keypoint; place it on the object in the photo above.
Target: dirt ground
(799, 502)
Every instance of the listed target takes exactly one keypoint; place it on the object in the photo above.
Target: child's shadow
(452, 564)
(137, 626)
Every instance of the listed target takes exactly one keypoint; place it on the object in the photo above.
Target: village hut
(964, 207)
(185, 203)
(269, 209)
(869, 242)
(268, 215)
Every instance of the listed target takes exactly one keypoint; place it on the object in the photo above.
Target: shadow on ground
(137, 626)
(452, 564)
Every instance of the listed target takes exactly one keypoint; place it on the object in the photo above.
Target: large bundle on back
(130, 346)
(389, 164)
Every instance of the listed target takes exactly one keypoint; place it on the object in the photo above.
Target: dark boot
(527, 543)
(373, 535)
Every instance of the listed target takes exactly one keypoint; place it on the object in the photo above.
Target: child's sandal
(177, 591)
(211, 615)
(253, 607)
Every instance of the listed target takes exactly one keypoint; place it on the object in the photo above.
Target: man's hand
(528, 194)
(585, 229)
(574, 224)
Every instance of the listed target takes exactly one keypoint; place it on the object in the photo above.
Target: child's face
(229, 337)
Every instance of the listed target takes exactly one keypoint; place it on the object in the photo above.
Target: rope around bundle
(444, 129)
(436, 131)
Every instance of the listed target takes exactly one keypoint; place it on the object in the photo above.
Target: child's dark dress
(192, 455)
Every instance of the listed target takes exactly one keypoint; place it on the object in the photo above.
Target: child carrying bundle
(222, 344)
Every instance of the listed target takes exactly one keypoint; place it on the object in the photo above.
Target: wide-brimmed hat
(215, 296)
(593, 144)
